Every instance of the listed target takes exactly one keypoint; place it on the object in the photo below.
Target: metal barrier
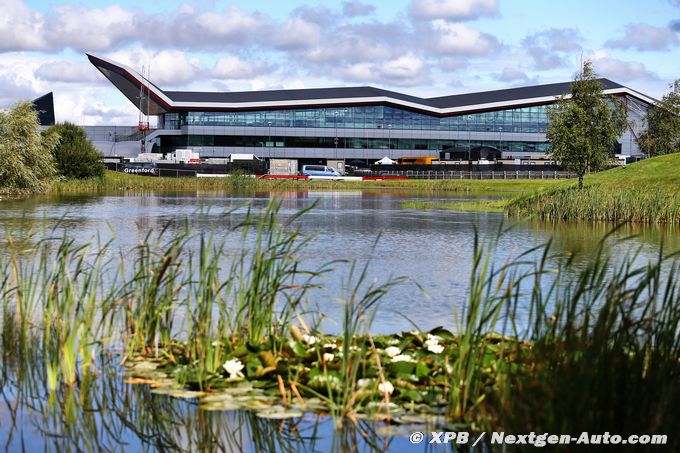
(459, 174)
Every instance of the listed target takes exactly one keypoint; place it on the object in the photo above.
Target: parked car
(319, 170)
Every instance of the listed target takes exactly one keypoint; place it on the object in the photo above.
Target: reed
(545, 343)
(596, 203)
(115, 182)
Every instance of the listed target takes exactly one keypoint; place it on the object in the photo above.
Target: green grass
(459, 206)
(114, 181)
(645, 192)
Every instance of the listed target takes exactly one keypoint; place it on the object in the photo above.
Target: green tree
(75, 155)
(583, 128)
(662, 135)
(26, 162)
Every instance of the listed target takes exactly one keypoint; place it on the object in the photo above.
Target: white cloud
(619, 70)
(641, 36)
(234, 67)
(296, 33)
(456, 38)
(21, 28)
(453, 9)
(404, 68)
(356, 8)
(407, 70)
(67, 71)
(549, 49)
(168, 68)
(90, 29)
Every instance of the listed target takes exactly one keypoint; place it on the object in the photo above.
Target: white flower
(386, 387)
(392, 351)
(403, 358)
(309, 339)
(233, 367)
(435, 348)
(364, 382)
(433, 345)
(330, 346)
(328, 357)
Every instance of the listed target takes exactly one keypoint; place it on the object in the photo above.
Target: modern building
(44, 105)
(356, 122)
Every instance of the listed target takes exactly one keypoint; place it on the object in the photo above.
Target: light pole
(269, 127)
(500, 140)
(469, 145)
(389, 137)
(336, 134)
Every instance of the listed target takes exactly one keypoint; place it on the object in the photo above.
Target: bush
(75, 155)
(25, 154)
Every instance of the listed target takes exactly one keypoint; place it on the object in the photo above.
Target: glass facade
(526, 119)
(434, 145)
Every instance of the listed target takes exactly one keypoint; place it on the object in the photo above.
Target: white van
(319, 170)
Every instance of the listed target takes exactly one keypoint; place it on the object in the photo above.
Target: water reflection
(103, 413)
(433, 248)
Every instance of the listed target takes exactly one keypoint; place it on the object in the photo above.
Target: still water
(432, 248)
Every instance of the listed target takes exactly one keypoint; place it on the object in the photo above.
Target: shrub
(75, 155)
(25, 154)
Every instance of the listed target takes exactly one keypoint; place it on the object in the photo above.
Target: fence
(459, 174)
(151, 170)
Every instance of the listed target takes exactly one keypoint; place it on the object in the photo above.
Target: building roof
(159, 101)
(44, 105)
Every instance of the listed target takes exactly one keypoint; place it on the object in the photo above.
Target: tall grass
(545, 343)
(599, 203)
(596, 350)
(114, 181)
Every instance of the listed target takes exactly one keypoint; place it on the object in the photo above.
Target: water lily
(435, 348)
(403, 358)
(330, 346)
(364, 382)
(392, 351)
(386, 387)
(327, 357)
(233, 367)
(309, 339)
(433, 345)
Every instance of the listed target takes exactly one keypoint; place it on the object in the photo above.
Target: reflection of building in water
(351, 123)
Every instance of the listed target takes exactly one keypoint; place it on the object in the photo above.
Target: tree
(583, 128)
(75, 155)
(662, 135)
(26, 160)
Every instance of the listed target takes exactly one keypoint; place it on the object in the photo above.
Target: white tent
(386, 161)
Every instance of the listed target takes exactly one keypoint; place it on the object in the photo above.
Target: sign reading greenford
(139, 168)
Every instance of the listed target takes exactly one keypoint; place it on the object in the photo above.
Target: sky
(419, 47)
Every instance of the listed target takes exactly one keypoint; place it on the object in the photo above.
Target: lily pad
(221, 406)
(187, 394)
(279, 413)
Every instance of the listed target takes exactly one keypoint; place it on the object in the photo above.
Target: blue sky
(420, 47)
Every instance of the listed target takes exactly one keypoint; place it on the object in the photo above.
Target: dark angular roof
(44, 105)
(456, 100)
(510, 94)
(129, 83)
(287, 95)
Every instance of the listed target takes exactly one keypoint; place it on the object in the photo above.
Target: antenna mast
(143, 123)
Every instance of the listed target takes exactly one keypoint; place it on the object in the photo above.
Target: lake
(432, 248)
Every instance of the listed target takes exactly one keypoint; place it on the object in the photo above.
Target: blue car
(319, 170)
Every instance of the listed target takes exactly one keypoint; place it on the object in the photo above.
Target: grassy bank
(114, 181)
(193, 322)
(459, 206)
(646, 192)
